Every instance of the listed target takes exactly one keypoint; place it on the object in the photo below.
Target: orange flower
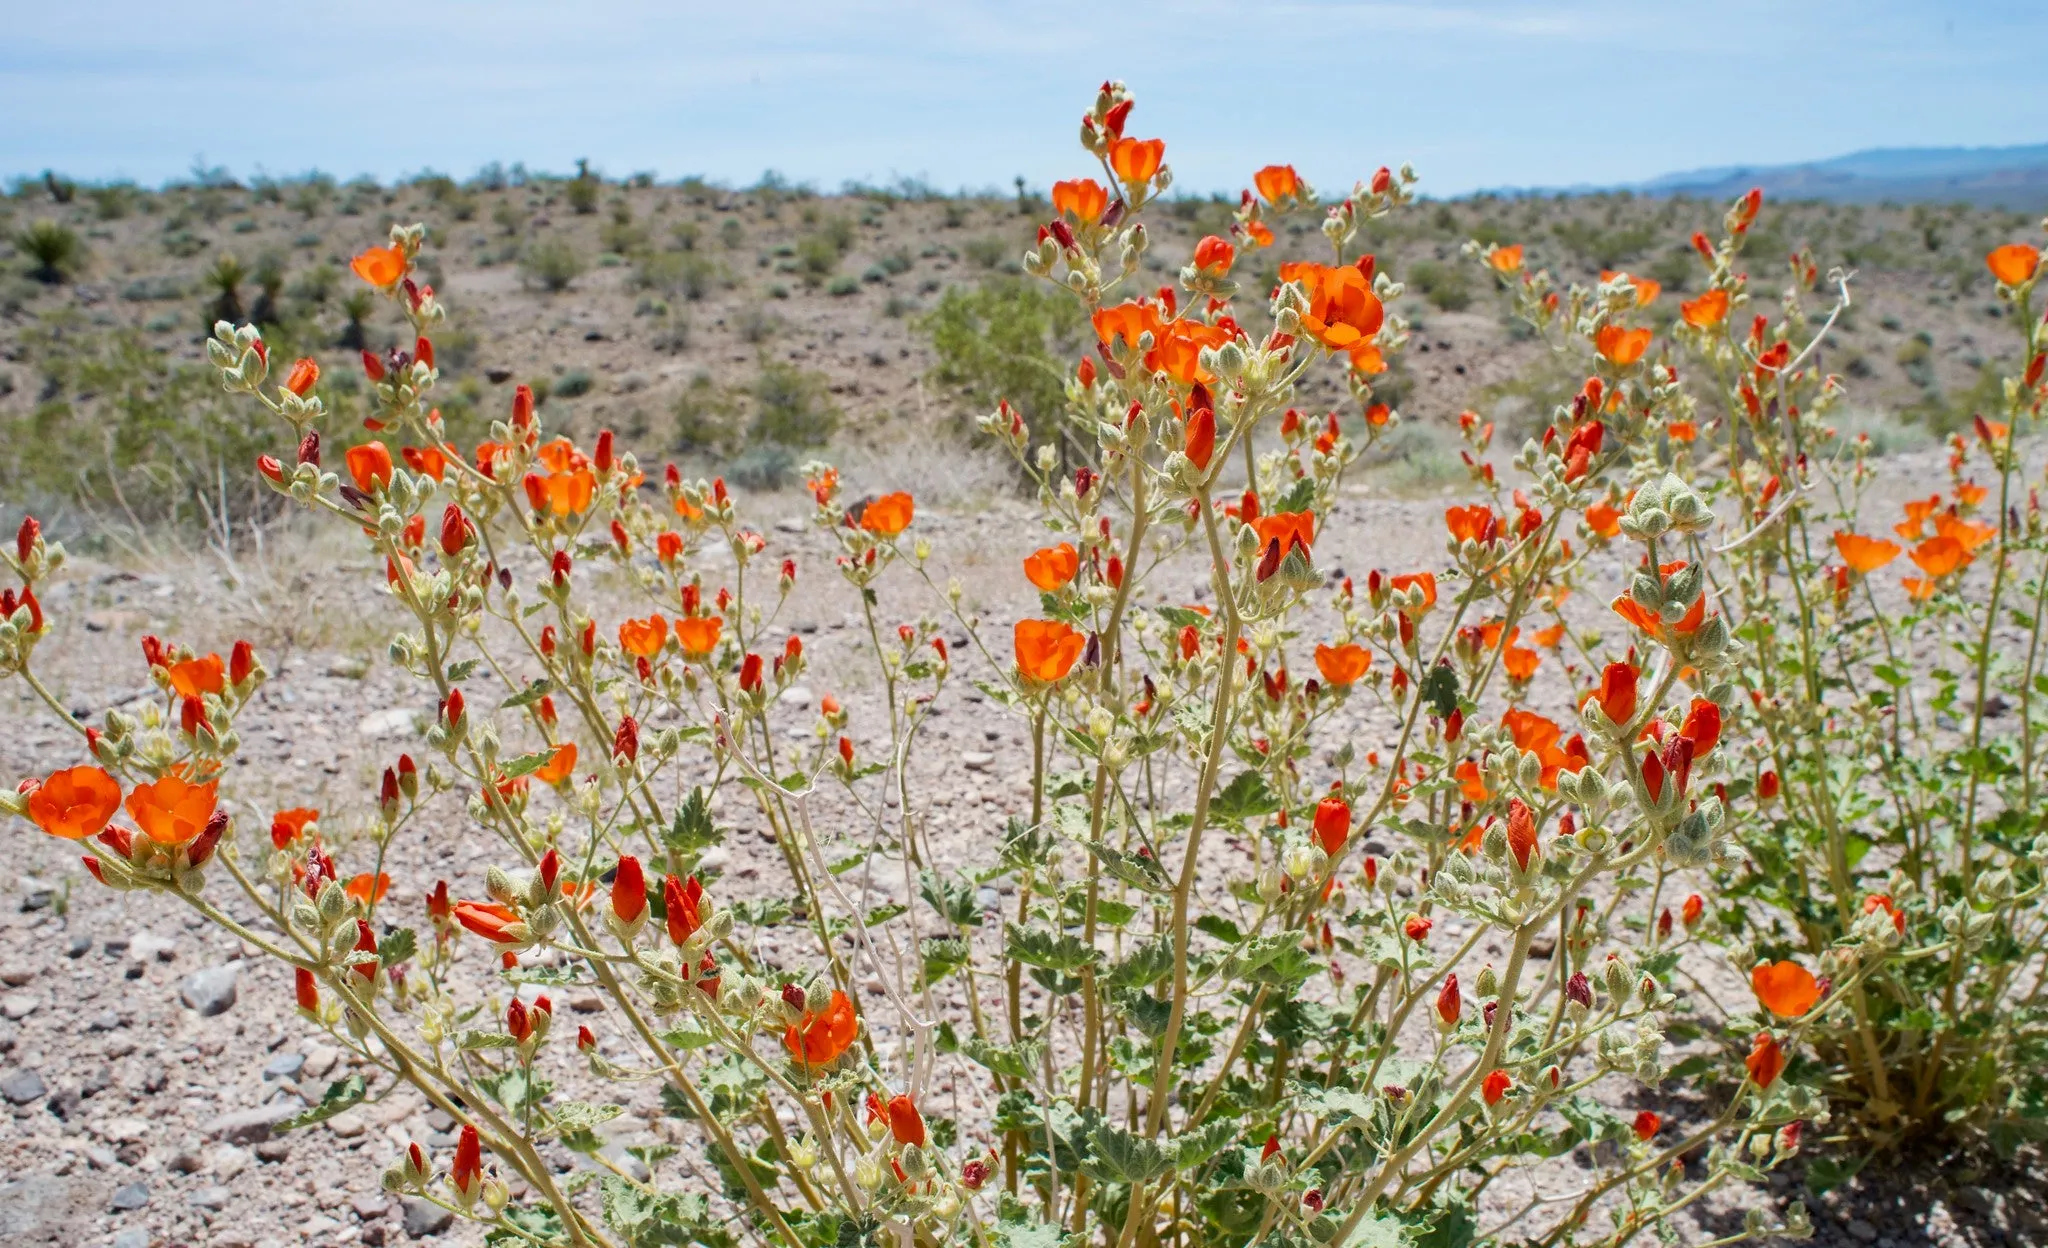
(380, 266)
(1496, 1086)
(1506, 259)
(370, 465)
(196, 676)
(819, 1039)
(1865, 554)
(905, 1123)
(1277, 182)
(287, 826)
(368, 891)
(1052, 567)
(1939, 556)
(1289, 528)
(1476, 523)
(173, 810)
(1617, 693)
(1917, 589)
(1786, 989)
(1917, 512)
(561, 493)
(1471, 784)
(1538, 735)
(493, 922)
(1368, 360)
(2013, 263)
(1948, 524)
(1213, 255)
(1046, 649)
(1080, 198)
(1706, 311)
(431, 461)
(1521, 831)
(644, 637)
(1621, 347)
(698, 635)
(75, 803)
(561, 762)
(1682, 430)
(304, 376)
(1426, 581)
(888, 515)
(1342, 310)
(1520, 662)
(1128, 321)
(1766, 1061)
(1136, 160)
(1603, 519)
(1343, 665)
(1198, 440)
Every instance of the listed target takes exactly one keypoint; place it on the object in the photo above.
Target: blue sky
(967, 94)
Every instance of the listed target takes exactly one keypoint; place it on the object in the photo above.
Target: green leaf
(1017, 1227)
(688, 1038)
(882, 914)
(691, 831)
(1018, 1061)
(1246, 797)
(1148, 964)
(397, 947)
(525, 764)
(473, 1041)
(528, 696)
(1299, 497)
(1824, 1173)
(1202, 1143)
(1181, 617)
(571, 1116)
(1219, 927)
(344, 1093)
(1439, 688)
(1140, 871)
(1117, 1155)
(462, 670)
(1038, 947)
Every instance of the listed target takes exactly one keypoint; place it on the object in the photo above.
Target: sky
(963, 94)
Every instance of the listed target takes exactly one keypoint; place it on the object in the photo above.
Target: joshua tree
(358, 305)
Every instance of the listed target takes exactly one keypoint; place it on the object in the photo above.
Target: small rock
(369, 1206)
(424, 1218)
(36, 894)
(134, 1196)
(797, 696)
(273, 1151)
(213, 1198)
(1862, 1230)
(320, 1059)
(187, 1163)
(285, 1066)
(348, 1124)
(14, 974)
(122, 1130)
(497, 376)
(717, 858)
(976, 760)
(211, 991)
(105, 1020)
(133, 1237)
(143, 946)
(19, 1005)
(227, 1161)
(250, 1126)
(1542, 946)
(349, 668)
(397, 721)
(791, 524)
(81, 944)
(588, 1003)
(22, 1087)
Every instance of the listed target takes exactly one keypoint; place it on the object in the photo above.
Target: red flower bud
(373, 368)
(307, 987)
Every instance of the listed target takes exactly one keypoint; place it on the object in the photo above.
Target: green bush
(57, 251)
(791, 406)
(574, 384)
(1444, 285)
(706, 416)
(990, 252)
(676, 274)
(1006, 339)
(550, 264)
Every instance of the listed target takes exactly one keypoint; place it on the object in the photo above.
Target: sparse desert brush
(1254, 983)
(551, 264)
(55, 250)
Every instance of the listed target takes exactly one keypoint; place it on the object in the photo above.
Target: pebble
(213, 1198)
(977, 760)
(273, 1151)
(369, 1206)
(211, 991)
(133, 1237)
(143, 946)
(133, 1196)
(227, 1161)
(424, 1218)
(285, 1066)
(587, 1003)
(22, 1087)
(250, 1126)
(1862, 1230)
(14, 975)
(81, 944)
(398, 721)
(798, 696)
(320, 1059)
(348, 1124)
(19, 1005)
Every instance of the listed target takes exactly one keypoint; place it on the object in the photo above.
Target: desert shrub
(755, 324)
(573, 384)
(1444, 285)
(1248, 986)
(224, 278)
(54, 249)
(791, 406)
(115, 200)
(676, 274)
(551, 264)
(706, 416)
(989, 252)
(1006, 339)
(581, 190)
(844, 284)
(817, 257)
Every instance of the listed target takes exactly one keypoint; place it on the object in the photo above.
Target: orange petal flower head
(1343, 665)
(2013, 263)
(382, 267)
(1136, 160)
(1865, 554)
(1506, 259)
(1343, 310)
(1052, 567)
(698, 636)
(75, 803)
(370, 466)
(1083, 199)
(1786, 989)
(196, 676)
(1277, 183)
(1939, 556)
(1766, 1061)
(1619, 346)
(173, 810)
(821, 1037)
(644, 638)
(888, 515)
(1707, 311)
(1046, 649)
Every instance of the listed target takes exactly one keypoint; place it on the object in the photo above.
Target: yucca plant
(55, 248)
(225, 280)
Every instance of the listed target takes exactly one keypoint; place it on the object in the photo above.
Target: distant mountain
(2004, 177)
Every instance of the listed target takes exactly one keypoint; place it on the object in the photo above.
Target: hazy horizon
(964, 97)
